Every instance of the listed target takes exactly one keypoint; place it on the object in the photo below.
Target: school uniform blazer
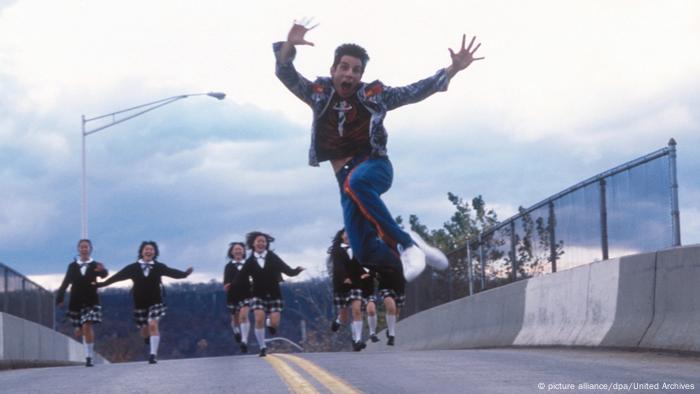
(340, 260)
(266, 280)
(239, 290)
(82, 293)
(352, 268)
(147, 289)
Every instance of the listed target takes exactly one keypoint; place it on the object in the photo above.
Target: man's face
(347, 75)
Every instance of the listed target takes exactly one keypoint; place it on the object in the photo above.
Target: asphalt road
(451, 371)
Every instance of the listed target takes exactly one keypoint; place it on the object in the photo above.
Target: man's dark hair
(353, 50)
(146, 243)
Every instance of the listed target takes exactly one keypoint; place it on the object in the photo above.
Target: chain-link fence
(23, 298)
(630, 209)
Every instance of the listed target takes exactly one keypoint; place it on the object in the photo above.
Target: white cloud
(23, 220)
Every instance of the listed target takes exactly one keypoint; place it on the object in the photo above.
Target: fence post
(483, 265)
(603, 220)
(552, 237)
(469, 268)
(675, 213)
(513, 256)
(4, 296)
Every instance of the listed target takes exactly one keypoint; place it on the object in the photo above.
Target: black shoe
(263, 352)
(374, 338)
(147, 340)
(244, 347)
(237, 337)
(390, 341)
(152, 359)
(335, 326)
(88, 362)
(273, 330)
(359, 345)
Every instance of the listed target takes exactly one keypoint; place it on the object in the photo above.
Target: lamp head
(217, 95)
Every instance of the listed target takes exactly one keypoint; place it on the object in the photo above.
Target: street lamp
(127, 113)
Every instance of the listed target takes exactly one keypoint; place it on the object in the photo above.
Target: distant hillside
(197, 322)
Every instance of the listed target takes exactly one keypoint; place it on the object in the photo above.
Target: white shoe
(433, 256)
(413, 261)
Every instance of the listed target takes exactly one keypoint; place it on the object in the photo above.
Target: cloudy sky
(567, 90)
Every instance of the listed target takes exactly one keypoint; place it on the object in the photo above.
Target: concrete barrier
(555, 308)
(632, 304)
(24, 343)
(676, 323)
(650, 300)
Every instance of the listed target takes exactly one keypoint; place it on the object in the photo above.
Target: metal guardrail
(605, 216)
(23, 298)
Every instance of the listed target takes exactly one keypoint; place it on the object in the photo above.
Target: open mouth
(346, 85)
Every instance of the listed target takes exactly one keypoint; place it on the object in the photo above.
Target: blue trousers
(372, 231)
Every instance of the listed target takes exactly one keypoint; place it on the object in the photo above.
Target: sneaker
(390, 341)
(433, 256)
(88, 362)
(263, 352)
(413, 261)
(152, 359)
(244, 347)
(335, 326)
(359, 345)
(374, 338)
(237, 337)
(273, 330)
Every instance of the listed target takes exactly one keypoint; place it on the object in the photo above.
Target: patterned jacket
(375, 96)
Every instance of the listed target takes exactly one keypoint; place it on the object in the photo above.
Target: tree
(469, 220)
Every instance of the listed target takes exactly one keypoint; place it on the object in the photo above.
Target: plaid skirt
(91, 314)
(154, 312)
(399, 299)
(268, 305)
(341, 300)
(356, 294)
(236, 307)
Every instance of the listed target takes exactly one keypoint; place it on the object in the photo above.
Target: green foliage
(468, 220)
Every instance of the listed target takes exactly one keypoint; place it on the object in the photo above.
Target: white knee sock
(235, 328)
(372, 323)
(88, 348)
(391, 324)
(357, 330)
(155, 339)
(260, 336)
(245, 329)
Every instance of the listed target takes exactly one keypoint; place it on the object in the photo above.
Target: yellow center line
(332, 382)
(296, 383)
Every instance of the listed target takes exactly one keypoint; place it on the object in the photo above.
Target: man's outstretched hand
(298, 31)
(464, 57)
(296, 36)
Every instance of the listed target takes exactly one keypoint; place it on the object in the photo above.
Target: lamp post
(128, 113)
